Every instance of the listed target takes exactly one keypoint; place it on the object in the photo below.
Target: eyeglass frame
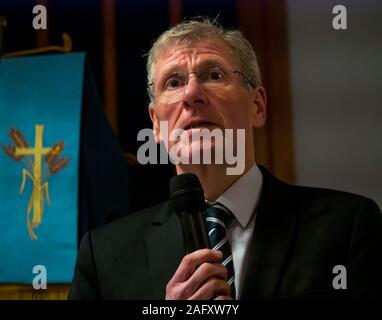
(243, 76)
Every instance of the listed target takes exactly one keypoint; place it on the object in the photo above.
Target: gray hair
(200, 29)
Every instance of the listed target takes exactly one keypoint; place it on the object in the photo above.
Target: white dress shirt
(241, 198)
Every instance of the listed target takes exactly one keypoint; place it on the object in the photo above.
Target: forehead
(194, 55)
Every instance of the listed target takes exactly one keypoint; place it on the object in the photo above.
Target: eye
(215, 75)
(174, 82)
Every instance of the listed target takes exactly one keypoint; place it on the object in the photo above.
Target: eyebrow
(204, 64)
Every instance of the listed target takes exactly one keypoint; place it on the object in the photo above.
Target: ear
(259, 110)
(155, 121)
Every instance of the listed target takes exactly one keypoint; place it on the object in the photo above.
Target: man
(284, 241)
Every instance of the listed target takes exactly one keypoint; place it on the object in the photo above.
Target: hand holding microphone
(200, 276)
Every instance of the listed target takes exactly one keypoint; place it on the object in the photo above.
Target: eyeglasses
(171, 88)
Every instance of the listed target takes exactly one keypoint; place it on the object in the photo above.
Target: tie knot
(220, 212)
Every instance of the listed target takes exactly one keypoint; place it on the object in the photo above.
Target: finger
(220, 297)
(191, 261)
(212, 288)
(205, 272)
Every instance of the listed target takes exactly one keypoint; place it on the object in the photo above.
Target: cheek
(233, 108)
(166, 113)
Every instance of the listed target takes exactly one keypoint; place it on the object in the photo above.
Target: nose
(194, 94)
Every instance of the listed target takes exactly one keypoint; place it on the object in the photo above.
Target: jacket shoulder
(308, 200)
(333, 199)
(132, 225)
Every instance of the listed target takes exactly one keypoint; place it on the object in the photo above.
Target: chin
(205, 151)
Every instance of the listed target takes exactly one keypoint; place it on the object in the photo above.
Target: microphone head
(186, 193)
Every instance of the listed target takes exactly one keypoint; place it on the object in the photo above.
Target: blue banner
(40, 115)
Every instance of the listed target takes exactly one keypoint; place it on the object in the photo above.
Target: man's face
(234, 106)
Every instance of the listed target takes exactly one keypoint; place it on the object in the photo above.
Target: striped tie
(218, 218)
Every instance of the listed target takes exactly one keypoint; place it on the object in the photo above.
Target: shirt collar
(242, 197)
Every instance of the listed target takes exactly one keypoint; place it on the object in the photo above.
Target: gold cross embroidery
(38, 151)
(36, 170)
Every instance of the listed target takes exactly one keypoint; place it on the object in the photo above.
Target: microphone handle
(195, 232)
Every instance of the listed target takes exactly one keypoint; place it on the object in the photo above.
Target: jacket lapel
(165, 248)
(274, 227)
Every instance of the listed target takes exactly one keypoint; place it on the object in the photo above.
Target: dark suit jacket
(300, 235)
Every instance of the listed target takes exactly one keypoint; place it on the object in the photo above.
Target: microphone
(187, 198)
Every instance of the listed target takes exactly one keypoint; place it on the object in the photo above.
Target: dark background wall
(336, 85)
